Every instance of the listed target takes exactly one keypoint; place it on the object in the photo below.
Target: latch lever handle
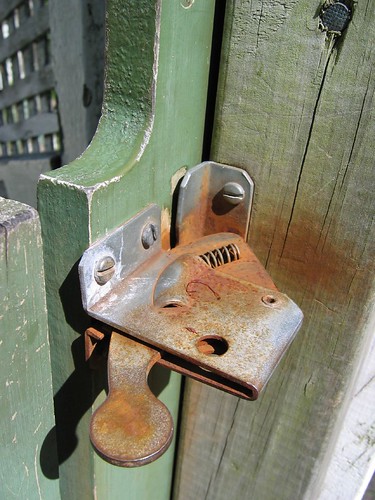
(132, 427)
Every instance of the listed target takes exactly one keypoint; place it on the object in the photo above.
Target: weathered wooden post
(295, 108)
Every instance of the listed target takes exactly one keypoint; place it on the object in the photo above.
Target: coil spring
(220, 256)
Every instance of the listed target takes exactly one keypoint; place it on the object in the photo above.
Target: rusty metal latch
(206, 308)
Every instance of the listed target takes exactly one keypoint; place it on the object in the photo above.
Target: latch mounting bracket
(206, 308)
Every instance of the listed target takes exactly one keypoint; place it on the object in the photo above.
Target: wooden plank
(40, 124)
(351, 461)
(31, 29)
(33, 84)
(7, 7)
(370, 492)
(298, 114)
(77, 47)
(151, 129)
(28, 462)
(20, 177)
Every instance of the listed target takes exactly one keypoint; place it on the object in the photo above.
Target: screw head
(150, 234)
(104, 270)
(335, 16)
(269, 300)
(233, 193)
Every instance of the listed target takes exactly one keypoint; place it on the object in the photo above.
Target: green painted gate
(150, 132)
(295, 109)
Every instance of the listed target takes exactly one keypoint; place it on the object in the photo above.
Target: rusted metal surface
(132, 427)
(207, 309)
(92, 341)
(209, 202)
(176, 299)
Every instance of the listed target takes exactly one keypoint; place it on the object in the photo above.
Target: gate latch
(206, 308)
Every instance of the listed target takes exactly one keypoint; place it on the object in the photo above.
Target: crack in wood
(306, 149)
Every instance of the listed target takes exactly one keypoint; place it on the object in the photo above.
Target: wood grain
(296, 111)
(151, 128)
(351, 461)
(28, 469)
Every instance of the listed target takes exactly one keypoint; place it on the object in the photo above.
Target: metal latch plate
(178, 303)
(213, 198)
(207, 309)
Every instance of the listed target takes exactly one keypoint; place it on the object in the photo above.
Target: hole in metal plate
(212, 345)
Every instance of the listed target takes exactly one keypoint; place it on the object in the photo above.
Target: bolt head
(104, 270)
(150, 234)
(233, 193)
(270, 300)
(335, 16)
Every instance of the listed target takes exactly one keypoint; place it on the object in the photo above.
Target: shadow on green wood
(26, 406)
(151, 130)
(296, 111)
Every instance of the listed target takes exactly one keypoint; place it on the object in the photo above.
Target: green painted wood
(26, 405)
(297, 112)
(151, 130)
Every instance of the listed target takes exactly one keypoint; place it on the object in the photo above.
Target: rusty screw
(233, 193)
(269, 300)
(150, 234)
(104, 270)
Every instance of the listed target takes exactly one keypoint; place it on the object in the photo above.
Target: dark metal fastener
(335, 17)
(104, 270)
(150, 234)
(269, 300)
(233, 193)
